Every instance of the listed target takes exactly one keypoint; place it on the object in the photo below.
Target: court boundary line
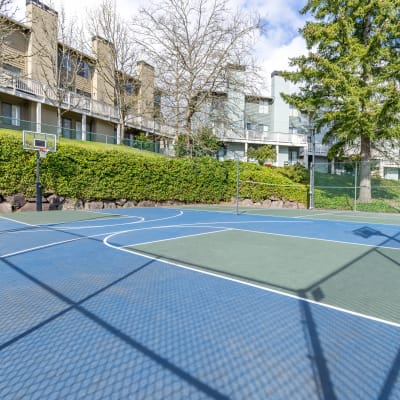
(343, 310)
(248, 230)
(63, 230)
(345, 213)
(323, 240)
(47, 245)
(16, 221)
(131, 251)
(54, 225)
(141, 220)
(220, 229)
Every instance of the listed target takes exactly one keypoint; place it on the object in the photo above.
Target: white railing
(150, 125)
(291, 139)
(20, 83)
(103, 109)
(320, 149)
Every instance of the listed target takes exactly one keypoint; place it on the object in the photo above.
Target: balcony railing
(19, 125)
(249, 136)
(320, 149)
(20, 84)
(73, 101)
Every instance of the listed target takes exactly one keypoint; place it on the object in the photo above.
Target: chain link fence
(347, 185)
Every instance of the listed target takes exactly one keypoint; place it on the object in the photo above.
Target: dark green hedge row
(91, 174)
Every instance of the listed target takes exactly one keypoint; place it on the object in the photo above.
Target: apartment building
(33, 63)
(243, 120)
(33, 66)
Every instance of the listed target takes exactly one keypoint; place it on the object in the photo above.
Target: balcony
(256, 137)
(36, 91)
(320, 149)
(18, 85)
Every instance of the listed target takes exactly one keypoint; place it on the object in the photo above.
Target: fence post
(312, 183)
(355, 186)
(237, 184)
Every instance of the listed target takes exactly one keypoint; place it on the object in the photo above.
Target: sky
(272, 50)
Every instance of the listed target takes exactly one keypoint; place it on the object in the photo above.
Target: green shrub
(86, 172)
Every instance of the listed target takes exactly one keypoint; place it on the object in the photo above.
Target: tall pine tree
(350, 79)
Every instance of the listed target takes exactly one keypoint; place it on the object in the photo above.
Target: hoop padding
(39, 141)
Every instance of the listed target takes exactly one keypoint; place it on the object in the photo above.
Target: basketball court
(167, 303)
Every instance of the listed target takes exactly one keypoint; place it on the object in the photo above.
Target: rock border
(52, 202)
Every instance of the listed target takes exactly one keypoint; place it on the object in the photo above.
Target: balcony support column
(38, 117)
(277, 155)
(84, 127)
(246, 144)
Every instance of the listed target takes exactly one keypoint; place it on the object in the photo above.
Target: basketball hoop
(42, 143)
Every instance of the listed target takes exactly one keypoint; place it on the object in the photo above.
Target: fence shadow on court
(326, 386)
(314, 323)
(79, 306)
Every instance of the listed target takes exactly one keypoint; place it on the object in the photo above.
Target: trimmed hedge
(92, 174)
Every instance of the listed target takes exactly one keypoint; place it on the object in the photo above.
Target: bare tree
(191, 43)
(58, 62)
(116, 60)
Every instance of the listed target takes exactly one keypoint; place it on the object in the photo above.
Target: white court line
(323, 240)
(141, 219)
(364, 316)
(83, 237)
(255, 222)
(196, 225)
(18, 222)
(220, 229)
(73, 228)
(210, 225)
(44, 246)
(348, 220)
(311, 215)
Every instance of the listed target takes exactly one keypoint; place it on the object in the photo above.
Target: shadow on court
(80, 308)
(327, 387)
(339, 368)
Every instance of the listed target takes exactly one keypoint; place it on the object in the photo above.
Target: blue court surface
(166, 303)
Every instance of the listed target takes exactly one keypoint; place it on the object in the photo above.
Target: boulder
(94, 205)
(5, 207)
(130, 204)
(109, 204)
(146, 203)
(55, 202)
(18, 201)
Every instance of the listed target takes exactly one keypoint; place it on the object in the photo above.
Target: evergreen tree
(350, 79)
(262, 153)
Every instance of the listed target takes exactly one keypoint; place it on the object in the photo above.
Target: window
(66, 128)
(83, 93)
(129, 88)
(391, 173)
(11, 114)
(12, 69)
(250, 126)
(65, 61)
(83, 69)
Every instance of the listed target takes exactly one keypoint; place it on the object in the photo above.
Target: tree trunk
(365, 171)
